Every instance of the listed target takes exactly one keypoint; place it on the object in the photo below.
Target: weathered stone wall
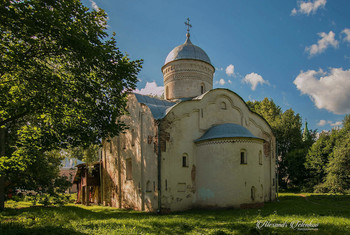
(135, 145)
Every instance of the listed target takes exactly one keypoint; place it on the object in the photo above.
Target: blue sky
(295, 52)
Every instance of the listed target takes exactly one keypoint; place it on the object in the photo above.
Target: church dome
(187, 51)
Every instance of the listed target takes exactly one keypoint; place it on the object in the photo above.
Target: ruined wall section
(130, 169)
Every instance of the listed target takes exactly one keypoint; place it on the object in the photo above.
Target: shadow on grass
(20, 229)
(225, 221)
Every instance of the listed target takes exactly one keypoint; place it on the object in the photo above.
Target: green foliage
(286, 127)
(63, 83)
(317, 158)
(328, 161)
(295, 161)
(331, 212)
(338, 168)
(88, 154)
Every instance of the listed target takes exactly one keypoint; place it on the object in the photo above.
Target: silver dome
(187, 51)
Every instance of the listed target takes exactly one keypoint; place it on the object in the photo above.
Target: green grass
(331, 212)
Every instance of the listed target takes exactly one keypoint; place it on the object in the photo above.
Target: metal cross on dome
(188, 25)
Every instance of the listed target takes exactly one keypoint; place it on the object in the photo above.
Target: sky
(294, 52)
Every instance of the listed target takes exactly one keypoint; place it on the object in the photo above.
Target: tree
(268, 109)
(317, 158)
(286, 127)
(333, 171)
(338, 168)
(62, 77)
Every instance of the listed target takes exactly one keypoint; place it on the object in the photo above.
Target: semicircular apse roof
(227, 130)
(187, 51)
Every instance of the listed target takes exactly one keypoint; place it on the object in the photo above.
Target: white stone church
(200, 147)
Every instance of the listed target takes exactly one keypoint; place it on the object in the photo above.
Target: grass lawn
(330, 212)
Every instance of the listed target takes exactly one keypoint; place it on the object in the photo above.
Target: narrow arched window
(202, 88)
(148, 186)
(223, 106)
(252, 193)
(260, 157)
(184, 160)
(243, 156)
(133, 137)
(129, 169)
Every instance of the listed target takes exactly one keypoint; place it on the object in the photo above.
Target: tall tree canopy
(63, 79)
(286, 127)
(328, 161)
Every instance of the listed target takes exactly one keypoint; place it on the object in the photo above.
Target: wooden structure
(87, 179)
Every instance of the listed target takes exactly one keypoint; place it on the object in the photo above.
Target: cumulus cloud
(322, 123)
(230, 70)
(151, 88)
(308, 7)
(229, 81)
(339, 123)
(254, 79)
(222, 82)
(322, 44)
(94, 5)
(328, 91)
(346, 31)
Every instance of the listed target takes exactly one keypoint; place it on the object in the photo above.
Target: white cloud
(94, 5)
(222, 82)
(229, 81)
(151, 88)
(219, 69)
(308, 7)
(230, 70)
(330, 91)
(322, 44)
(322, 123)
(254, 79)
(346, 31)
(339, 123)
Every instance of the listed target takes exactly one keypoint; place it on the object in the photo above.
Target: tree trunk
(2, 177)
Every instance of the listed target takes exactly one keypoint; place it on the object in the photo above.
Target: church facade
(198, 147)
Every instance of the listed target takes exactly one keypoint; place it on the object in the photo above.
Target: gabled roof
(227, 130)
(157, 106)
